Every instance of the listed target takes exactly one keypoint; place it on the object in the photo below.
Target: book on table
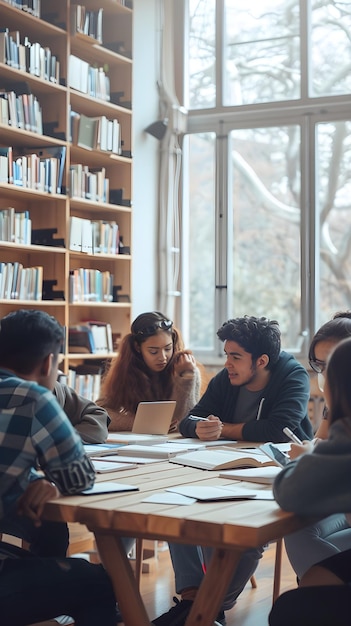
(210, 459)
(139, 460)
(206, 493)
(108, 487)
(128, 437)
(101, 449)
(263, 475)
(158, 451)
(103, 467)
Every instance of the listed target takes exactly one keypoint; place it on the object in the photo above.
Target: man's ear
(46, 365)
(262, 361)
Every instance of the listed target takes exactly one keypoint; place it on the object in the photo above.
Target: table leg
(116, 563)
(210, 595)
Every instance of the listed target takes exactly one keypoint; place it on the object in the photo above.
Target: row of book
(15, 226)
(95, 133)
(28, 57)
(30, 6)
(91, 336)
(86, 22)
(87, 183)
(93, 236)
(21, 111)
(88, 79)
(20, 283)
(90, 285)
(42, 170)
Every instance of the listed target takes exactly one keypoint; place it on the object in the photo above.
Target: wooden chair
(277, 571)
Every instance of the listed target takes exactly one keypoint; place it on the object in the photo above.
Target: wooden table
(228, 526)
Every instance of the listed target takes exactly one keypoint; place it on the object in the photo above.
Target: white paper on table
(169, 498)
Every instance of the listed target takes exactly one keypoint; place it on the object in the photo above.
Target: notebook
(214, 459)
(154, 418)
(264, 475)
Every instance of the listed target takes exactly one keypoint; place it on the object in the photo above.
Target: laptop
(154, 418)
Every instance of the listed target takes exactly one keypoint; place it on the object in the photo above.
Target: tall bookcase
(54, 29)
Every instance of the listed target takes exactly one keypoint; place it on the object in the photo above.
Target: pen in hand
(289, 433)
(195, 418)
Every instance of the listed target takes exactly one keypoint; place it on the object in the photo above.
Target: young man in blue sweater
(260, 391)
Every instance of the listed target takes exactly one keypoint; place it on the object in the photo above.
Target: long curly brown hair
(128, 380)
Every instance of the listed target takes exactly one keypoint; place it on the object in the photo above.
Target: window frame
(306, 112)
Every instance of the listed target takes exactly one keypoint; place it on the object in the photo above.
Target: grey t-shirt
(247, 406)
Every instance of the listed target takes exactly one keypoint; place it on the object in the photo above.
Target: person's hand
(32, 501)
(183, 363)
(298, 449)
(209, 429)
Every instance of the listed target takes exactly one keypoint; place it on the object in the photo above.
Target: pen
(289, 433)
(195, 418)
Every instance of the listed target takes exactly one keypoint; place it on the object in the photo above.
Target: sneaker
(64, 619)
(178, 613)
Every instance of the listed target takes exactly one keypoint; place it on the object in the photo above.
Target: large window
(267, 200)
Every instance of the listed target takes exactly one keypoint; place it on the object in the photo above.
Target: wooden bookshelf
(54, 30)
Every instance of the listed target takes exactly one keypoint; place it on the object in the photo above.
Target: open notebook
(154, 418)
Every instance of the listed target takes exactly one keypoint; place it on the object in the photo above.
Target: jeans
(189, 563)
(317, 542)
(34, 589)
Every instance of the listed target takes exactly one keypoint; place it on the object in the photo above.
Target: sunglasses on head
(151, 330)
(317, 366)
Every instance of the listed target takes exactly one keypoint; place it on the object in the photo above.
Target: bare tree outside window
(271, 57)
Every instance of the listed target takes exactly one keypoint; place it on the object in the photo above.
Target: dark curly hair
(256, 335)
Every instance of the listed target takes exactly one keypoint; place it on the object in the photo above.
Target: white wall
(145, 156)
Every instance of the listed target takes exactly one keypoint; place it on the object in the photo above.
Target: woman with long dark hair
(152, 364)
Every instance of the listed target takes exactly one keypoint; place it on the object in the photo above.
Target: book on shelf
(15, 226)
(211, 459)
(87, 132)
(102, 467)
(86, 22)
(263, 475)
(102, 333)
(81, 339)
(85, 379)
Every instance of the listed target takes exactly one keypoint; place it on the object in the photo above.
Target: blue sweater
(285, 404)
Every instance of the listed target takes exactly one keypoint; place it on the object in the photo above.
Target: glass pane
(331, 34)
(262, 51)
(266, 226)
(202, 54)
(201, 269)
(334, 208)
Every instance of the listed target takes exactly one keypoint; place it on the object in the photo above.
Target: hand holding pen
(207, 428)
(298, 447)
